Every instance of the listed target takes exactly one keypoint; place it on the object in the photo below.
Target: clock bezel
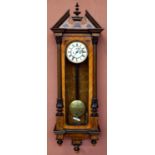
(86, 52)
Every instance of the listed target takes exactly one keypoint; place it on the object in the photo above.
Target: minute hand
(76, 52)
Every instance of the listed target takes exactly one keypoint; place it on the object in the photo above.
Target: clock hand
(79, 51)
(76, 52)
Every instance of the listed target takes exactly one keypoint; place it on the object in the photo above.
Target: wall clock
(77, 115)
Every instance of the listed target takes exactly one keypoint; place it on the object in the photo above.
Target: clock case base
(77, 136)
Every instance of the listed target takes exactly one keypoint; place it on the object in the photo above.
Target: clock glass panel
(76, 52)
(76, 84)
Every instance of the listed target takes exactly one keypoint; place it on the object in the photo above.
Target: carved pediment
(68, 23)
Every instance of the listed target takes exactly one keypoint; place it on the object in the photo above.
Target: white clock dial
(77, 52)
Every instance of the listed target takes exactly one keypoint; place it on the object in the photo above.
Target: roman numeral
(73, 58)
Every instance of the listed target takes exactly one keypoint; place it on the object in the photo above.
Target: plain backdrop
(131, 77)
(98, 11)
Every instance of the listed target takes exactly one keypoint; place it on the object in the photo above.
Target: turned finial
(77, 12)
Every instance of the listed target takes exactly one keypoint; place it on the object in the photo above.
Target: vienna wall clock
(77, 104)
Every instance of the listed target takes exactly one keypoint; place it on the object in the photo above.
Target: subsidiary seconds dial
(77, 52)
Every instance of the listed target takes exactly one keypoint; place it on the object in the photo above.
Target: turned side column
(94, 105)
(59, 104)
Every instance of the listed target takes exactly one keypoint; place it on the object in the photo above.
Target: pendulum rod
(77, 82)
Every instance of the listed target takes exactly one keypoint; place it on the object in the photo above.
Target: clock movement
(77, 104)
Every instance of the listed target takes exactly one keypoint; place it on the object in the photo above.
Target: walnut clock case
(77, 103)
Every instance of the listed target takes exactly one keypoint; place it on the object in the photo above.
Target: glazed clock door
(76, 59)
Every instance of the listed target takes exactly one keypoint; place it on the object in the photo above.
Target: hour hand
(76, 52)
